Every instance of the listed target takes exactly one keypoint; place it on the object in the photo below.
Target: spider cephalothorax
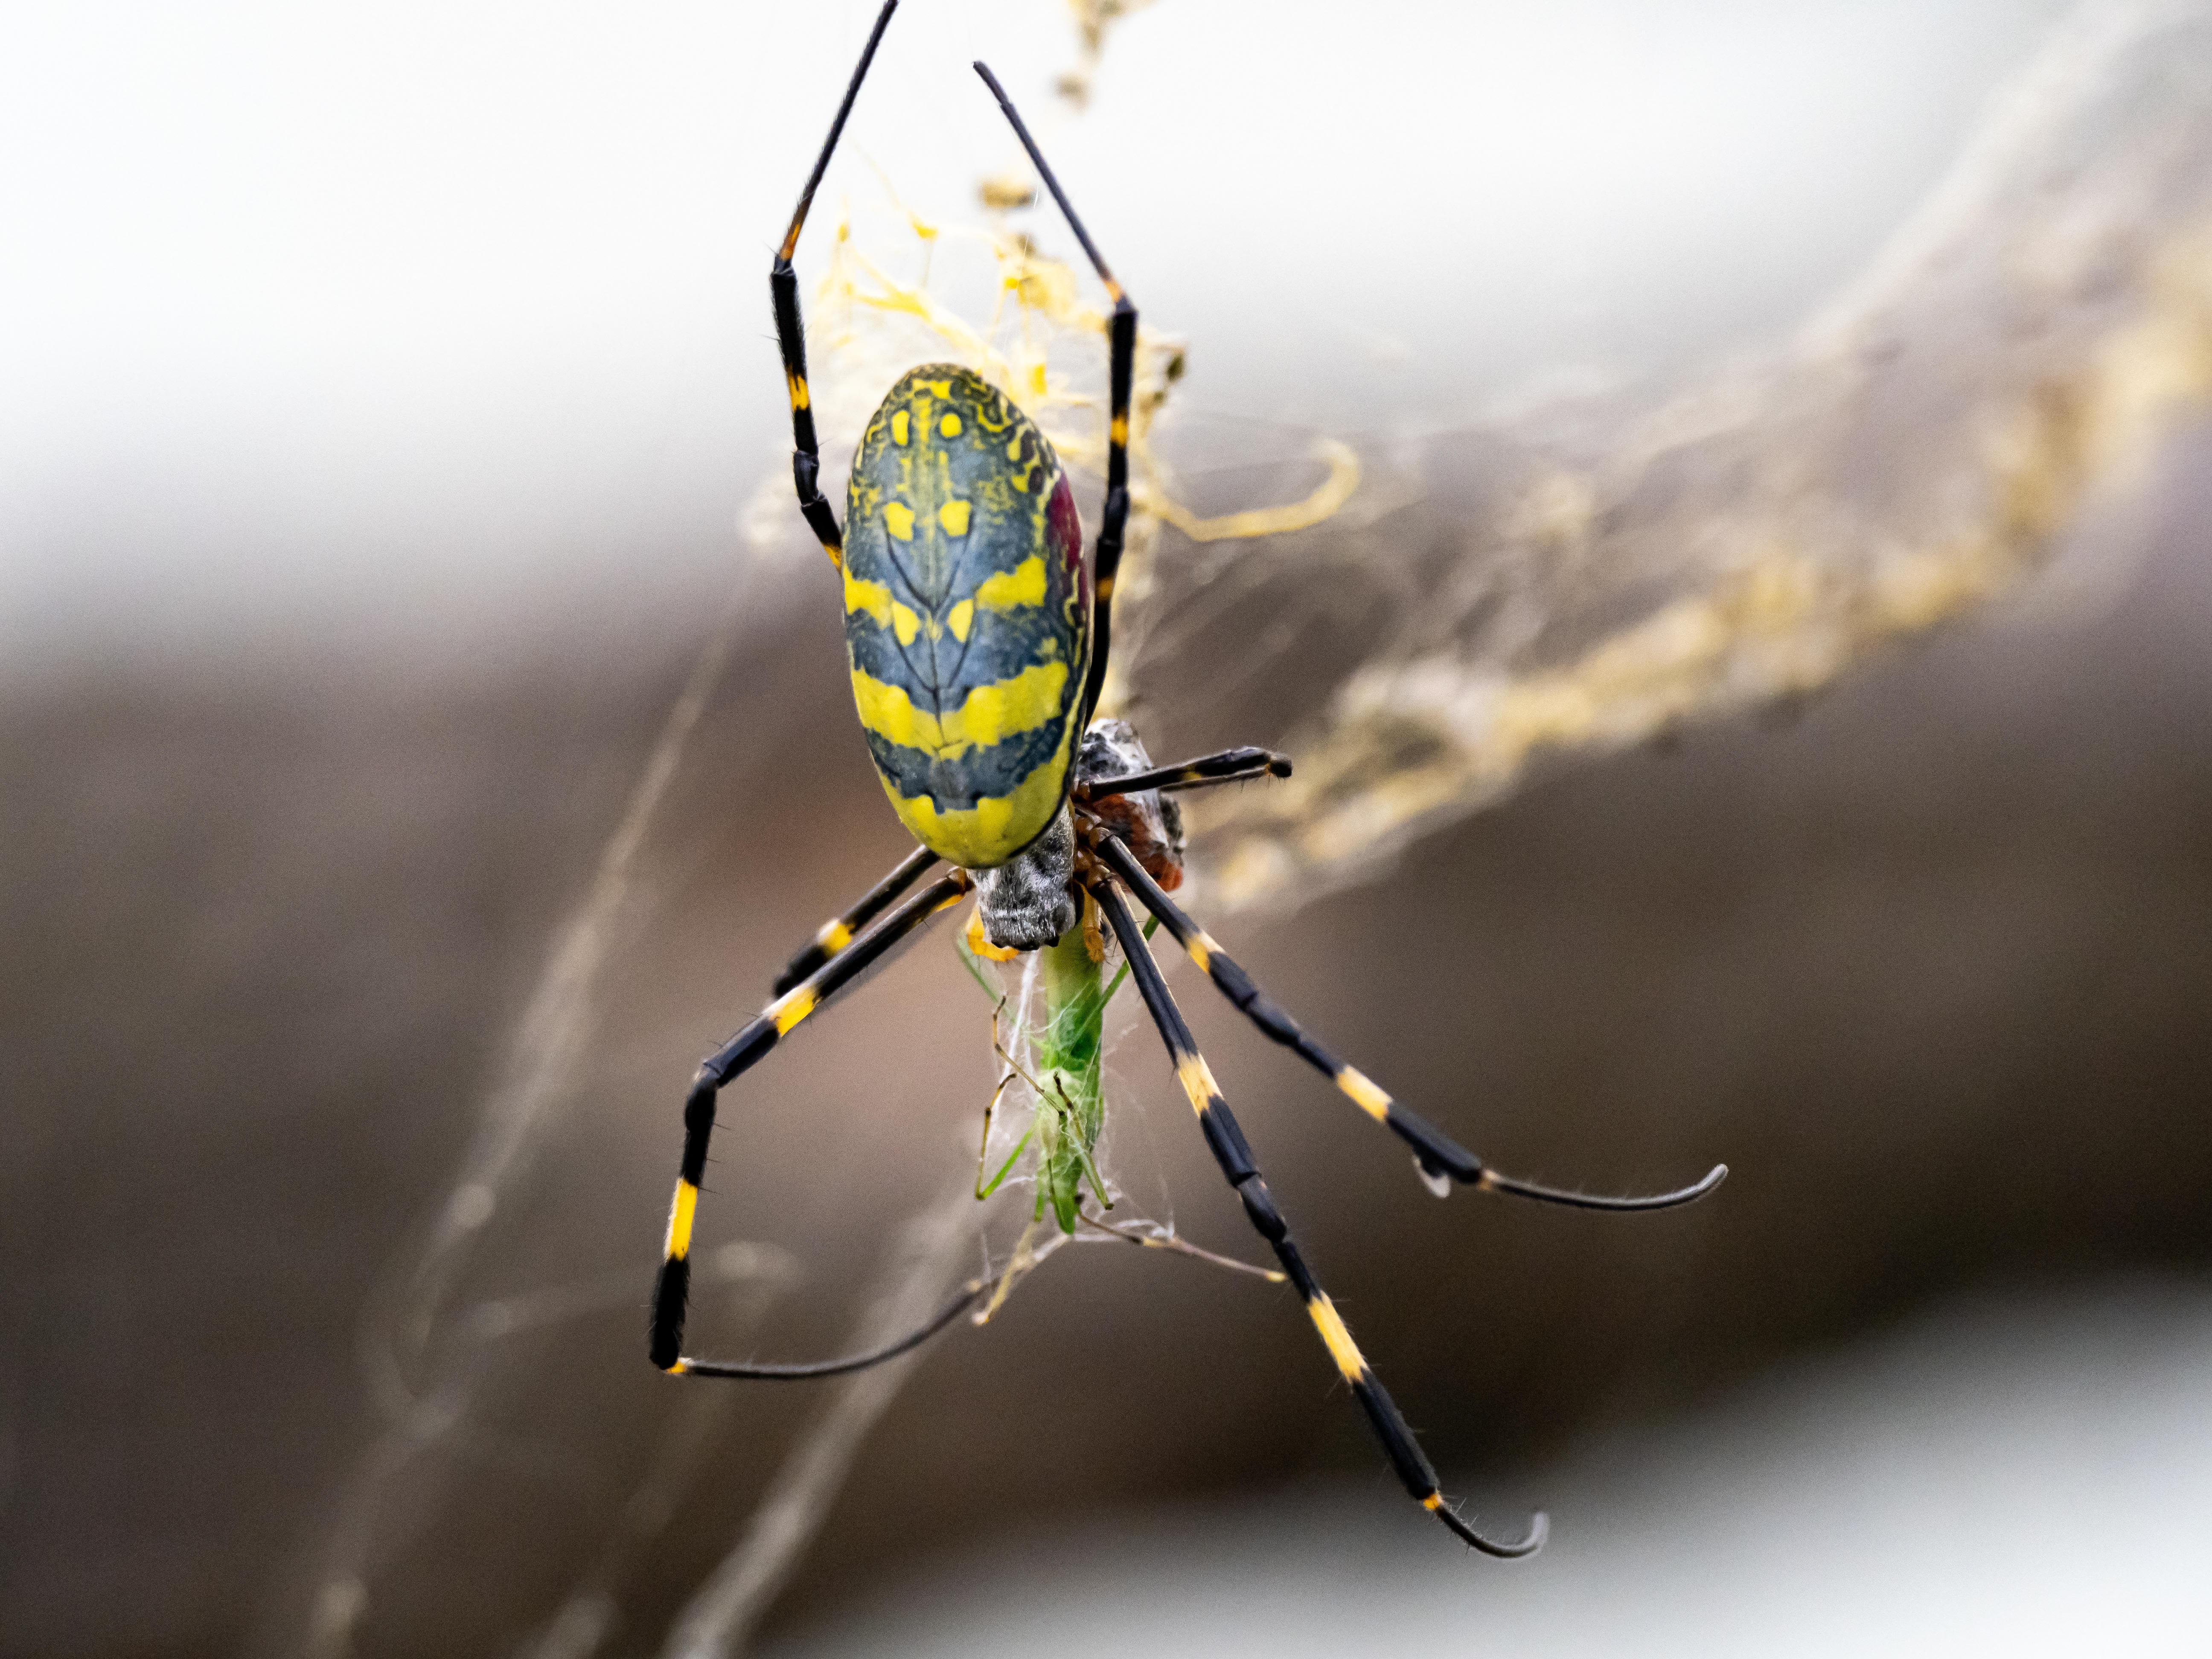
(1029, 901)
(977, 638)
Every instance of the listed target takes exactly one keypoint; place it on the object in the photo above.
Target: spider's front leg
(840, 931)
(791, 330)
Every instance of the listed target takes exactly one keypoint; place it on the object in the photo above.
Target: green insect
(977, 637)
(1070, 1113)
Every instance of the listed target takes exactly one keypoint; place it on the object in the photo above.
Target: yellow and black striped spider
(977, 636)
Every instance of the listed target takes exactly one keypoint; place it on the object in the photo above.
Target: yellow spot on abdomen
(899, 427)
(950, 426)
(874, 598)
(954, 515)
(1369, 1098)
(679, 1220)
(1341, 1348)
(989, 714)
(960, 618)
(1015, 589)
(898, 519)
(997, 826)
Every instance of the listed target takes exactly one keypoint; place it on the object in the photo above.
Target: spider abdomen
(967, 614)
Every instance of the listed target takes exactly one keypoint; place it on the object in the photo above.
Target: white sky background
(2014, 1479)
(394, 317)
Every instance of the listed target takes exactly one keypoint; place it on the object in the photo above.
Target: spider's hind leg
(1227, 1143)
(671, 1288)
(1440, 1159)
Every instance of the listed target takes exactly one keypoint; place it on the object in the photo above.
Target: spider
(977, 639)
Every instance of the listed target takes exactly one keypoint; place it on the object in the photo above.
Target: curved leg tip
(1518, 1188)
(1540, 1528)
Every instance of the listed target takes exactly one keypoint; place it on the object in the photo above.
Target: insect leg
(1122, 333)
(839, 932)
(672, 1287)
(1234, 1157)
(791, 334)
(1230, 766)
(1440, 1158)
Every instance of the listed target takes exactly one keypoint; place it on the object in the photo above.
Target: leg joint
(699, 1104)
(1260, 1206)
(1226, 1141)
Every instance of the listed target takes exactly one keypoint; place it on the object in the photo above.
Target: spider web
(1586, 574)
(1552, 582)
(902, 289)
(1591, 574)
(1574, 578)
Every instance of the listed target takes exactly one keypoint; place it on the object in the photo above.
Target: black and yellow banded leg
(1235, 1157)
(839, 932)
(671, 1288)
(1121, 371)
(1441, 1159)
(1230, 766)
(791, 333)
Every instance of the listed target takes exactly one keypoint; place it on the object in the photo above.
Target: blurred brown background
(1925, 961)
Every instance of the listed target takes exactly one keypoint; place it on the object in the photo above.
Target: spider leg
(790, 331)
(968, 1295)
(1234, 1157)
(1122, 333)
(1439, 1157)
(672, 1287)
(1230, 766)
(834, 934)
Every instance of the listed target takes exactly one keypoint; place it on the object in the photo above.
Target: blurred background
(384, 389)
